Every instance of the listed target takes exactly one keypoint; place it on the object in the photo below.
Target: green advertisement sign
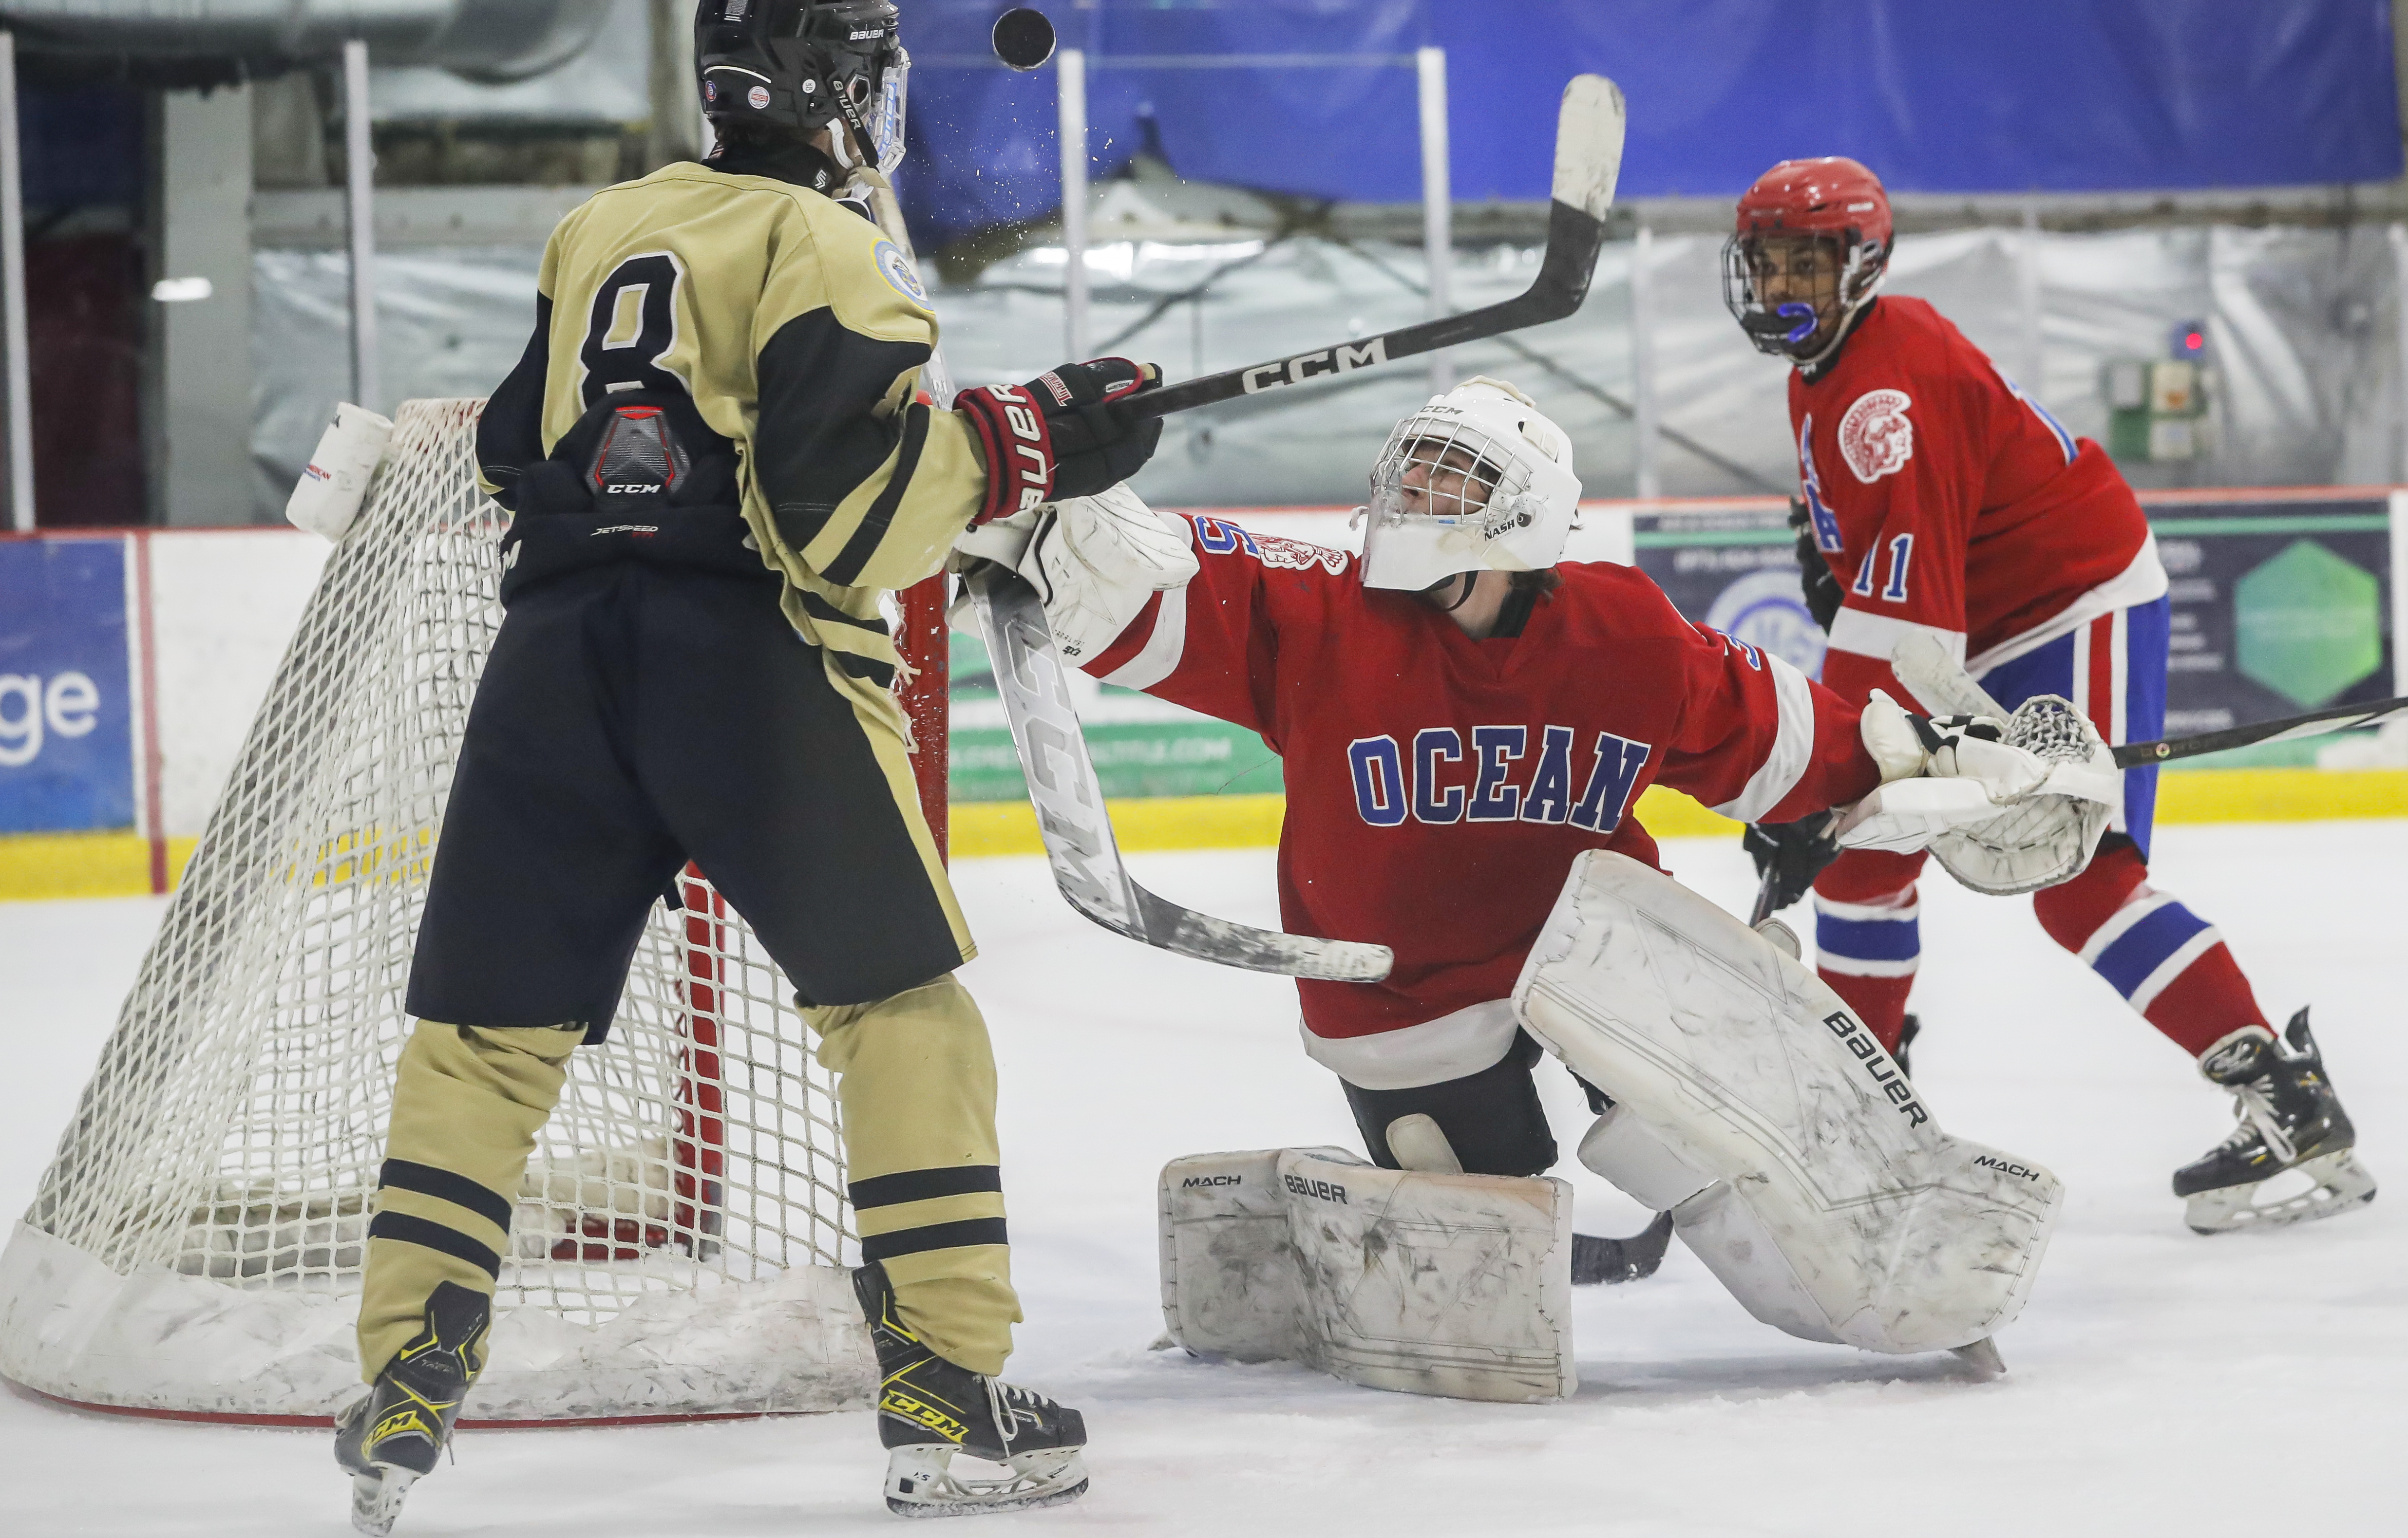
(1143, 747)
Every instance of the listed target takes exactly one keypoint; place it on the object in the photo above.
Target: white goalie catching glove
(1094, 562)
(2005, 806)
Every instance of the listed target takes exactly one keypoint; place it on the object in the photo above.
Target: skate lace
(1012, 1404)
(2258, 1114)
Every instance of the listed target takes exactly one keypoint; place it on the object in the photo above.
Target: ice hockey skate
(392, 1437)
(929, 1409)
(2291, 1121)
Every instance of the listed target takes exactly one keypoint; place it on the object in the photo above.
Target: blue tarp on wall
(1936, 95)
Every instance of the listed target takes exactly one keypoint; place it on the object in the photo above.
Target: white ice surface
(2161, 1383)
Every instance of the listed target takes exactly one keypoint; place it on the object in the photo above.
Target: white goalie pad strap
(1640, 1165)
(1839, 1211)
(1451, 1285)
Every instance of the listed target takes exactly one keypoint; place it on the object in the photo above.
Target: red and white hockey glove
(1059, 435)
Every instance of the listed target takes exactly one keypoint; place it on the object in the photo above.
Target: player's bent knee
(1491, 1122)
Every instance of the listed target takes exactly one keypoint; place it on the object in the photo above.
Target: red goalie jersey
(1438, 787)
(1946, 499)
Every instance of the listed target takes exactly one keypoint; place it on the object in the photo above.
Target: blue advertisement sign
(67, 719)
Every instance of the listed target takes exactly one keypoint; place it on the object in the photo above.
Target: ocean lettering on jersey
(1499, 775)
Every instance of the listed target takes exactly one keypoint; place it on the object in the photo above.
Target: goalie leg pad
(1889, 1235)
(1451, 1285)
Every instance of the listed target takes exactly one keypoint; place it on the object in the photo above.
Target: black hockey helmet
(799, 65)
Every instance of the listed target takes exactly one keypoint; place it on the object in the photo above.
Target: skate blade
(2339, 1184)
(921, 1482)
(376, 1498)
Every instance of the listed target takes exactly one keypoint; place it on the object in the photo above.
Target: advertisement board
(2282, 602)
(66, 709)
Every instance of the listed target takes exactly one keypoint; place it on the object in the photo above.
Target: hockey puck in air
(1024, 38)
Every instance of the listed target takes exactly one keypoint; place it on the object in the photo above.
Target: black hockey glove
(1061, 434)
(1794, 854)
(1813, 571)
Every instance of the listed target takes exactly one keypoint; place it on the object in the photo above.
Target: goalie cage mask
(1478, 479)
(797, 66)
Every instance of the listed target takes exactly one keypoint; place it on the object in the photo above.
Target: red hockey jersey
(1946, 499)
(1438, 787)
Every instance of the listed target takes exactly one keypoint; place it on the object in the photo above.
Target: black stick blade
(1024, 38)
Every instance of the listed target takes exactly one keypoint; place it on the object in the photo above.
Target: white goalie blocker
(1796, 1158)
(1451, 1285)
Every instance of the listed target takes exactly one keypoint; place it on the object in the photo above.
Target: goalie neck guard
(1478, 479)
(794, 66)
(1795, 300)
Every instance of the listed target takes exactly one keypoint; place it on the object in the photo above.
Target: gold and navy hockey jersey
(797, 331)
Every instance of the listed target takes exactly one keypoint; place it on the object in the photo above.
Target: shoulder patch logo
(1875, 437)
(898, 274)
(1282, 554)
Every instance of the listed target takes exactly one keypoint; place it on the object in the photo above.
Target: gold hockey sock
(467, 1105)
(916, 1084)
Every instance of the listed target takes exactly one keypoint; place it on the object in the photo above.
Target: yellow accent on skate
(894, 1401)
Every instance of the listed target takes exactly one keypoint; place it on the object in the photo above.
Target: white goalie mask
(1478, 479)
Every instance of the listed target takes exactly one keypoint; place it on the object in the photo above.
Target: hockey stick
(2341, 718)
(1596, 1259)
(1078, 832)
(1925, 667)
(1764, 892)
(1588, 159)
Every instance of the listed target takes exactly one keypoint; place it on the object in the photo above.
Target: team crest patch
(1295, 555)
(1875, 437)
(897, 270)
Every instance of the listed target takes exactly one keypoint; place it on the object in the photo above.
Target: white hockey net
(195, 1246)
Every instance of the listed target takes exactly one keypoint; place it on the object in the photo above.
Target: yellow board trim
(1233, 822)
(40, 866)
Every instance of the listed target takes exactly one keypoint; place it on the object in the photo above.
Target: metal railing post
(1072, 64)
(1437, 204)
(359, 214)
(18, 363)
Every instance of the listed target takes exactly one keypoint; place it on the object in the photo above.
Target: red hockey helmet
(1841, 207)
